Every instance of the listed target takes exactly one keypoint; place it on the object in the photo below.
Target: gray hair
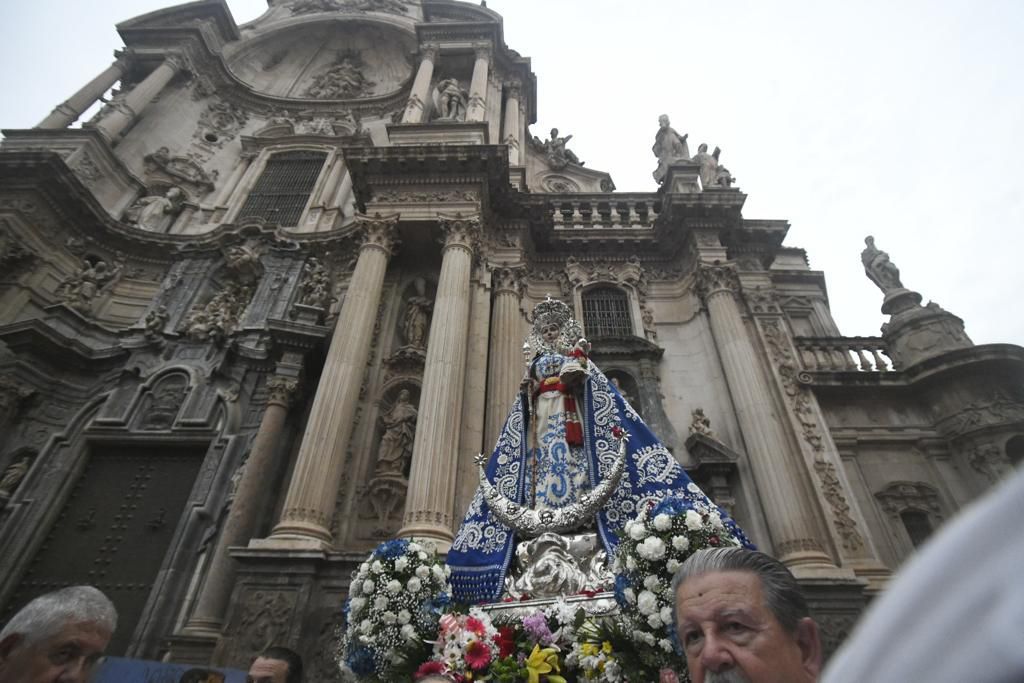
(46, 615)
(782, 594)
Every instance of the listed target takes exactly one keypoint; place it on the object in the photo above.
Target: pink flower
(476, 626)
(428, 669)
(478, 655)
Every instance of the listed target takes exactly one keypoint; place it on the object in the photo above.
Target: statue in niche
(700, 423)
(315, 289)
(451, 101)
(12, 477)
(670, 147)
(416, 321)
(879, 268)
(219, 317)
(342, 80)
(93, 276)
(399, 431)
(571, 457)
(155, 322)
(150, 213)
(558, 155)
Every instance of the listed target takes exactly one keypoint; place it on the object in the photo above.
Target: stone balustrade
(578, 212)
(844, 354)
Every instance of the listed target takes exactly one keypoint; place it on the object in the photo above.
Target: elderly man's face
(730, 635)
(67, 657)
(264, 670)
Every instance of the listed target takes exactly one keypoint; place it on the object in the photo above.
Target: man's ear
(8, 645)
(808, 639)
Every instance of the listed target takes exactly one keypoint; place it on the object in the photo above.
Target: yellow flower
(588, 649)
(606, 647)
(543, 662)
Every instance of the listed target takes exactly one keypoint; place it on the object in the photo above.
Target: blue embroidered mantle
(483, 548)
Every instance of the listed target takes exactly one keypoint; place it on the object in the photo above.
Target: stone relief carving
(395, 449)
(416, 320)
(910, 495)
(712, 279)
(798, 395)
(264, 621)
(344, 79)
(701, 423)
(185, 169)
(243, 262)
(87, 170)
(220, 316)
(151, 213)
(647, 318)
(12, 478)
(559, 184)
(13, 396)
(422, 196)
(879, 268)
(220, 122)
(555, 152)
(313, 6)
(12, 253)
(154, 322)
(998, 408)
(670, 147)
(165, 402)
(91, 279)
(450, 100)
(989, 460)
(315, 288)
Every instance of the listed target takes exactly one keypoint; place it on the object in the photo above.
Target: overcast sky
(904, 120)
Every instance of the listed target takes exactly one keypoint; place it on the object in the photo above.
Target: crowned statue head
(554, 329)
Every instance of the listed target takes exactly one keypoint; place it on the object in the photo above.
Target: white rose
(380, 602)
(654, 621)
(408, 632)
(357, 605)
(693, 520)
(401, 563)
(649, 638)
(666, 645)
(716, 521)
(638, 532)
(368, 586)
(662, 522)
(438, 572)
(680, 543)
(377, 567)
(422, 571)
(673, 565)
(647, 603)
(422, 555)
(394, 586)
(414, 585)
(366, 626)
(652, 583)
(666, 614)
(630, 563)
(630, 595)
(653, 549)
(447, 570)
(415, 547)
(389, 617)
(404, 617)
(363, 568)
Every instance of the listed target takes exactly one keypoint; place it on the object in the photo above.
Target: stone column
(512, 123)
(421, 85)
(787, 504)
(478, 86)
(313, 492)
(138, 98)
(67, 112)
(428, 507)
(250, 498)
(505, 365)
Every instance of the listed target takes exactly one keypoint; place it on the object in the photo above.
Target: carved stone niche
(714, 468)
(412, 330)
(382, 498)
(161, 405)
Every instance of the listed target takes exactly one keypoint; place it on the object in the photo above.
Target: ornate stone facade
(310, 314)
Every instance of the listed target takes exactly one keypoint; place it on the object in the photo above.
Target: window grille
(283, 188)
(606, 313)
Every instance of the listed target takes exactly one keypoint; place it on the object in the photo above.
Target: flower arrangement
(395, 602)
(654, 545)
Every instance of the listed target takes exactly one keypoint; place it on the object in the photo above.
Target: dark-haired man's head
(276, 665)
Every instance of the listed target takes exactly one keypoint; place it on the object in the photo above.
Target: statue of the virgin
(573, 456)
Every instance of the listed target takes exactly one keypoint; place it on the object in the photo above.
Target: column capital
(281, 391)
(429, 51)
(378, 232)
(177, 61)
(482, 50)
(459, 231)
(510, 279)
(123, 58)
(715, 278)
(514, 89)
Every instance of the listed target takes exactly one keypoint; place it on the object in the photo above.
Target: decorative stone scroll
(219, 123)
(342, 80)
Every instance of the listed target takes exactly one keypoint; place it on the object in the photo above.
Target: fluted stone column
(313, 492)
(250, 498)
(505, 365)
(478, 86)
(786, 503)
(512, 126)
(428, 507)
(421, 85)
(67, 112)
(139, 97)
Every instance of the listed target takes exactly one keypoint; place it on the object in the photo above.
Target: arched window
(281, 193)
(606, 313)
(918, 526)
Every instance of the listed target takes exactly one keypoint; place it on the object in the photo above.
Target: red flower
(474, 625)
(508, 600)
(478, 655)
(617, 432)
(506, 641)
(428, 669)
(714, 540)
(524, 597)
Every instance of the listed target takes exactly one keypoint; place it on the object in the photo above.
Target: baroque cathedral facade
(263, 309)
